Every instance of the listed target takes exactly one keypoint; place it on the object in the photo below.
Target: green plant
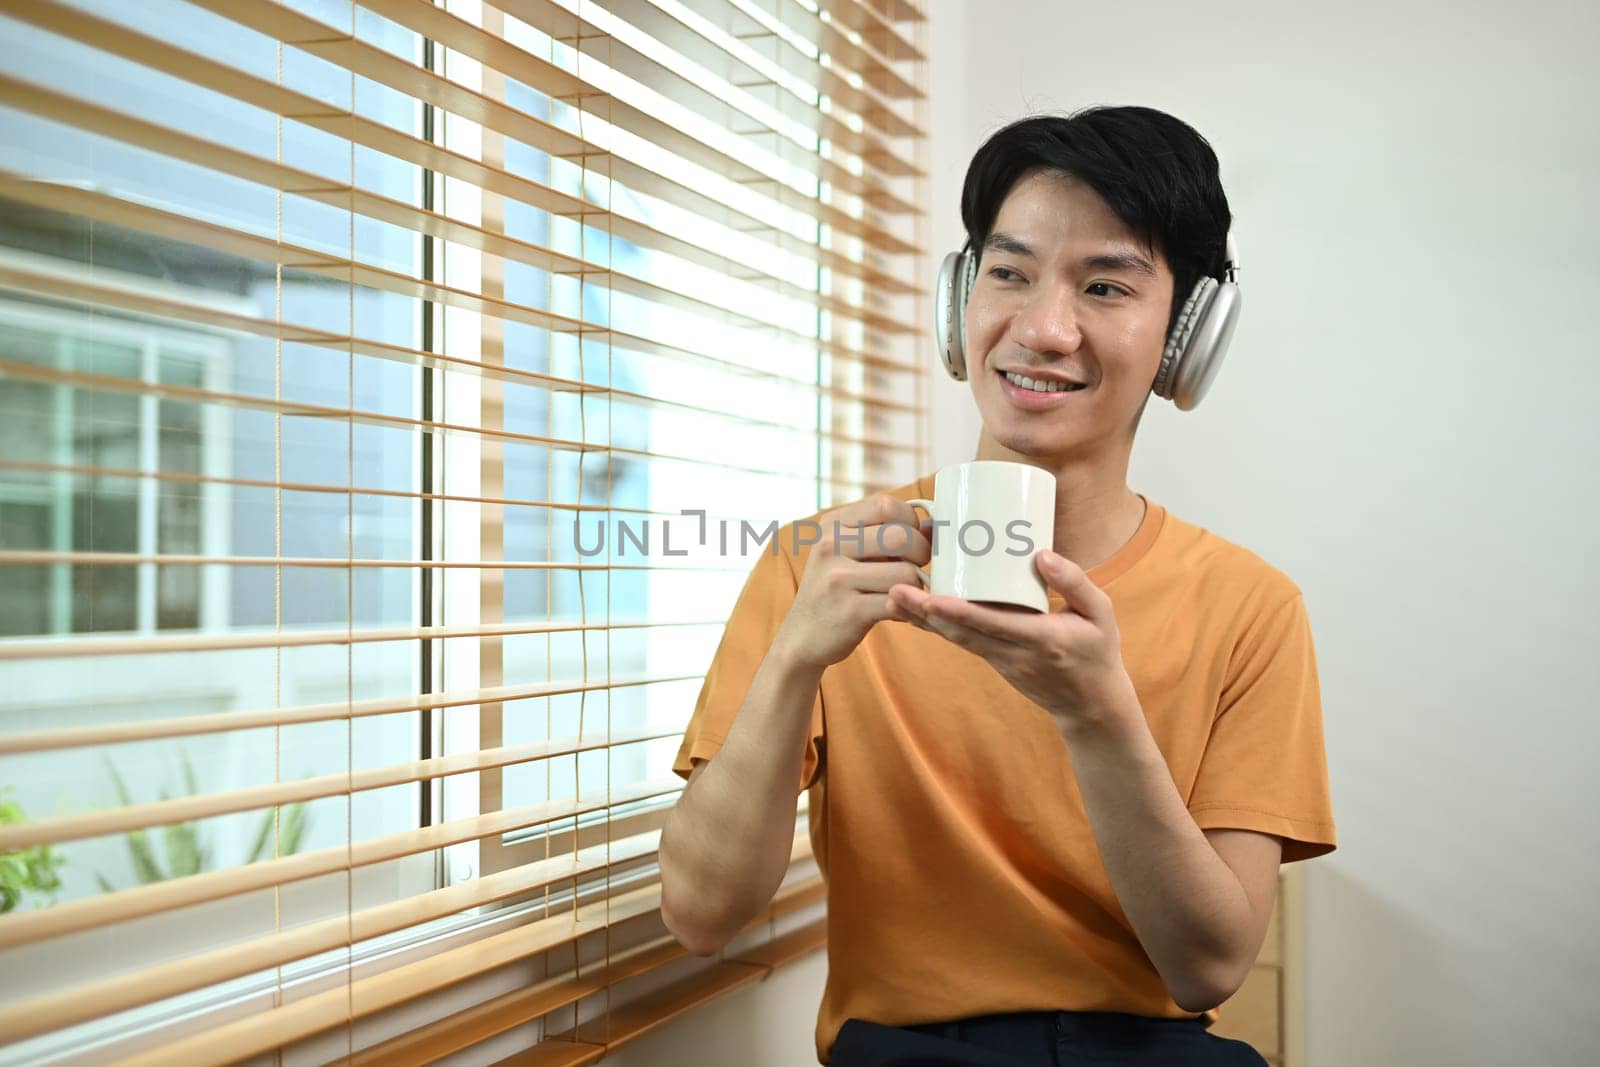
(295, 823)
(25, 870)
(186, 853)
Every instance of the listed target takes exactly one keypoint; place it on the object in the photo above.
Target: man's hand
(1068, 662)
(844, 591)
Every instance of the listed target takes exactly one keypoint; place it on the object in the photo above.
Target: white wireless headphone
(1195, 344)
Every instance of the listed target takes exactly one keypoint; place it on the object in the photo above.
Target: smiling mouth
(1040, 386)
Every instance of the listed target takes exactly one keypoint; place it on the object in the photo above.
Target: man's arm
(1199, 900)
(725, 846)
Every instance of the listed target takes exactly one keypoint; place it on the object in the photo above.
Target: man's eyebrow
(1121, 260)
(1004, 242)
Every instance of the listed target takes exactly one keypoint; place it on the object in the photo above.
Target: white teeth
(1024, 382)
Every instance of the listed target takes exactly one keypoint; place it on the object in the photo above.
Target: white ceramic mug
(990, 518)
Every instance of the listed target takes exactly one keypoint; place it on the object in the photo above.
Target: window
(357, 362)
(56, 427)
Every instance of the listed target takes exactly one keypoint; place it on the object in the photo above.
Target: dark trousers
(1041, 1039)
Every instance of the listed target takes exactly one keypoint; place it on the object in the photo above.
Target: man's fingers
(865, 512)
(881, 608)
(876, 510)
(964, 636)
(891, 540)
(1072, 582)
(1000, 622)
(880, 577)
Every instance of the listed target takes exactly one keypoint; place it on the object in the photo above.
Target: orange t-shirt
(963, 875)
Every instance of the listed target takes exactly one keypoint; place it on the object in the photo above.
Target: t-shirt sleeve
(1265, 767)
(766, 598)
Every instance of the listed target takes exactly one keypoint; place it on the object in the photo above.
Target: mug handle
(922, 572)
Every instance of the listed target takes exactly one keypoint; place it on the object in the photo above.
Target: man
(1048, 838)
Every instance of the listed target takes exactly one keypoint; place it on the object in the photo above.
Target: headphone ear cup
(950, 296)
(1178, 337)
(1209, 335)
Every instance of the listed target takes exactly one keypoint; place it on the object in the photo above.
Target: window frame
(201, 347)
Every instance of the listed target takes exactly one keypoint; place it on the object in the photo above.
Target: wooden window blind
(380, 382)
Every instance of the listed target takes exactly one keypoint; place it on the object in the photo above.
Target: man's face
(1065, 293)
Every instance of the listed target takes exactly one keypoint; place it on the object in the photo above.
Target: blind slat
(560, 24)
(495, 1017)
(110, 383)
(15, 557)
(463, 37)
(191, 478)
(245, 720)
(176, 144)
(385, 68)
(863, 100)
(195, 394)
(786, 948)
(22, 272)
(25, 1018)
(170, 644)
(666, 27)
(899, 10)
(140, 48)
(635, 1019)
(639, 1017)
(113, 383)
(556, 1052)
(876, 69)
(65, 828)
(142, 901)
(456, 1033)
(337, 47)
(33, 372)
(223, 721)
(878, 31)
(738, 64)
(319, 1012)
(25, 273)
(132, 214)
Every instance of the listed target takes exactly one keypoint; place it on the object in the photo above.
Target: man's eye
(1105, 289)
(1004, 274)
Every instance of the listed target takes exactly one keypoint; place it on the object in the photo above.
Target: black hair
(1155, 172)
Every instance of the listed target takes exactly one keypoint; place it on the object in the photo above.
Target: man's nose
(1048, 322)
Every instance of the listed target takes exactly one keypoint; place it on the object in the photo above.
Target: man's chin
(1039, 447)
(1046, 439)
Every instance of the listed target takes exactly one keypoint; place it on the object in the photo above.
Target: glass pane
(25, 588)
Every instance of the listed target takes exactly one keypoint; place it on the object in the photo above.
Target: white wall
(1404, 427)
